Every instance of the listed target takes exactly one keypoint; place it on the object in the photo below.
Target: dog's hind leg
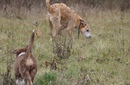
(28, 78)
(33, 73)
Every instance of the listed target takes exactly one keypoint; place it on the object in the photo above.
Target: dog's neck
(21, 54)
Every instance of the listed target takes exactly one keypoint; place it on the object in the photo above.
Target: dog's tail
(48, 5)
(30, 46)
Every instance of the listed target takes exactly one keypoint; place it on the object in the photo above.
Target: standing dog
(60, 16)
(25, 66)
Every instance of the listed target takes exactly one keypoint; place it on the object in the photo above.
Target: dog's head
(18, 51)
(84, 28)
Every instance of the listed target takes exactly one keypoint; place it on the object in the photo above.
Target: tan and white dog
(60, 16)
(25, 66)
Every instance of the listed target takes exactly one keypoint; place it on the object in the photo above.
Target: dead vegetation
(62, 47)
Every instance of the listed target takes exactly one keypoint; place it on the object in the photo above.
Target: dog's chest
(29, 61)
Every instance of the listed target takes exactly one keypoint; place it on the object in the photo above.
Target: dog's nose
(89, 36)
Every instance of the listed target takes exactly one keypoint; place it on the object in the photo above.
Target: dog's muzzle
(87, 34)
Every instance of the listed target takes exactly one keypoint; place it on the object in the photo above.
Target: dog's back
(66, 13)
(25, 63)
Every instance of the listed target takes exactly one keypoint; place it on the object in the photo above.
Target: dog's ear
(82, 23)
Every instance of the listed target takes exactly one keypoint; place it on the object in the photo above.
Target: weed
(62, 49)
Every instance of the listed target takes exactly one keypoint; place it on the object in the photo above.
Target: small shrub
(62, 48)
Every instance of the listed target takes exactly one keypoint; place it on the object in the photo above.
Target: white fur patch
(20, 82)
(21, 54)
(17, 81)
(87, 34)
(23, 82)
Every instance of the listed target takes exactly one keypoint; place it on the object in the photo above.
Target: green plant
(46, 79)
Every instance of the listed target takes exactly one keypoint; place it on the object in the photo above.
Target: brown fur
(60, 16)
(25, 66)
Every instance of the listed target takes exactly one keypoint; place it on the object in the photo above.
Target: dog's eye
(87, 30)
(84, 24)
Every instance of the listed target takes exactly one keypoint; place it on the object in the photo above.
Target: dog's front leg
(33, 73)
(69, 29)
(69, 32)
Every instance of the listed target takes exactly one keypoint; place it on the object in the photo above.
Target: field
(101, 60)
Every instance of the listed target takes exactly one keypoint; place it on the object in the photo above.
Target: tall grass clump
(62, 47)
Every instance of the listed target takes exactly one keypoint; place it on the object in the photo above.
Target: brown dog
(25, 66)
(60, 16)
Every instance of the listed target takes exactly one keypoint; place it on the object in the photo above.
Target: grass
(101, 60)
